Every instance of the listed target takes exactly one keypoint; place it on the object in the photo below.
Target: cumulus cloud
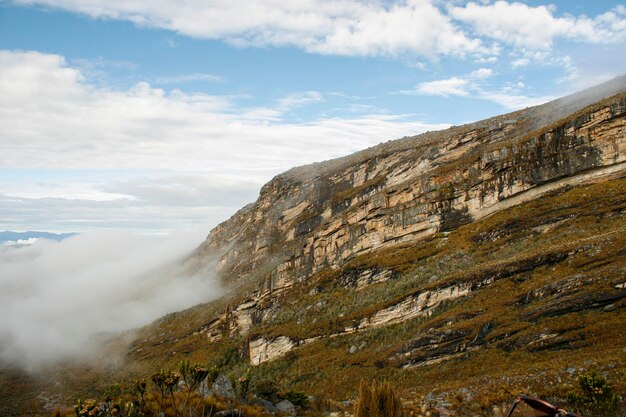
(452, 86)
(537, 27)
(481, 73)
(362, 28)
(299, 99)
(53, 118)
(455, 86)
(20, 242)
(141, 147)
(344, 27)
(57, 298)
(185, 78)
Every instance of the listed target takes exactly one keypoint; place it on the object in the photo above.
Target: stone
(267, 405)
(263, 350)
(204, 389)
(222, 387)
(285, 406)
(304, 208)
(318, 217)
(182, 386)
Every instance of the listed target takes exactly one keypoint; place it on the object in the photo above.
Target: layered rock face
(320, 216)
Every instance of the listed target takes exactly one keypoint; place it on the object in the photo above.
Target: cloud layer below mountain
(58, 298)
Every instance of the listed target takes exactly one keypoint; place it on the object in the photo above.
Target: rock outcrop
(320, 216)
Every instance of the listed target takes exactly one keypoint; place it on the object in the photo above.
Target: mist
(56, 298)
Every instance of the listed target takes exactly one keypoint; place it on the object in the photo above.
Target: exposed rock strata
(263, 350)
(318, 217)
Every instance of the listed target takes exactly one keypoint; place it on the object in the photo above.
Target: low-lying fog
(55, 296)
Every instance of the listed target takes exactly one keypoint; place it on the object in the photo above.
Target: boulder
(222, 387)
(286, 406)
(267, 405)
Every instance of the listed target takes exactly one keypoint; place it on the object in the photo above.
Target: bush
(296, 398)
(241, 385)
(266, 389)
(596, 394)
(377, 400)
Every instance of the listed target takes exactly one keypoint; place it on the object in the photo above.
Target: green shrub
(266, 389)
(296, 398)
(241, 384)
(596, 394)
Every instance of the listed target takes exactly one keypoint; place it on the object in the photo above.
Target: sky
(153, 116)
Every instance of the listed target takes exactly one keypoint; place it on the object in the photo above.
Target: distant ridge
(8, 236)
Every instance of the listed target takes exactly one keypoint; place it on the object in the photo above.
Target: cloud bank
(55, 297)
(53, 118)
(149, 157)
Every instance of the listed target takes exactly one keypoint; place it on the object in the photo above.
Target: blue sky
(154, 116)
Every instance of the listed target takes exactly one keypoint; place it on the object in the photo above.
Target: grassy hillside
(553, 308)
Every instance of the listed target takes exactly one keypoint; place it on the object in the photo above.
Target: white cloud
(537, 27)
(513, 101)
(521, 62)
(52, 118)
(344, 27)
(183, 78)
(425, 28)
(20, 242)
(455, 86)
(486, 60)
(450, 87)
(146, 216)
(481, 73)
(299, 99)
(58, 298)
(510, 96)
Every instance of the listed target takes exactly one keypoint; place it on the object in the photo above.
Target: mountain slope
(8, 236)
(480, 252)
(480, 261)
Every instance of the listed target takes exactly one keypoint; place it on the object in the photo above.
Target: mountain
(17, 237)
(489, 255)
(464, 266)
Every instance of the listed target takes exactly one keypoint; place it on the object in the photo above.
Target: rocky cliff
(322, 215)
(462, 256)
(319, 217)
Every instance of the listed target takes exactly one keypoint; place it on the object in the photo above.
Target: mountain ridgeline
(463, 266)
